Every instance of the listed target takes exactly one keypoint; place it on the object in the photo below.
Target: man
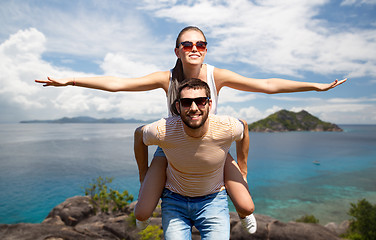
(196, 145)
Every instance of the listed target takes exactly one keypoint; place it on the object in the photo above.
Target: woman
(190, 50)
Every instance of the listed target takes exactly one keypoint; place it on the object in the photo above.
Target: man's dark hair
(194, 83)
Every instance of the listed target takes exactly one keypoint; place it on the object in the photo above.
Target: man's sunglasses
(200, 102)
(188, 46)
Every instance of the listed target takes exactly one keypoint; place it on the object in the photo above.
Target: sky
(300, 40)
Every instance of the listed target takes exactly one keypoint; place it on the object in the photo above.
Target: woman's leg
(237, 188)
(151, 189)
(242, 149)
(152, 178)
(236, 176)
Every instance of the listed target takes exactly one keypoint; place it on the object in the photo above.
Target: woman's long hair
(178, 72)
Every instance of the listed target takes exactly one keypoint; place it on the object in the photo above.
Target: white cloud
(343, 113)
(27, 44)
(250, 114)
(156, 4)
(18, 55)
(337, 110)
(295, 99)
(283, 37)
(125, 39)
(228, 95)
(357, 2)
(143, 105)
(87, 28)
(119, 64)
(348, 2)
(21, 63)
(352, 100)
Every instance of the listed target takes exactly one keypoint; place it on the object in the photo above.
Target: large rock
(73, 219)
(25, 231)
(339, 229)
(71, 211)
(272, 229)
(76, 219)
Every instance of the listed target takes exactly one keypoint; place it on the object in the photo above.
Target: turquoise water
(43, 164)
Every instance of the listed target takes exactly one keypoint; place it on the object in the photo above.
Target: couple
(196, 145)
(191, 49)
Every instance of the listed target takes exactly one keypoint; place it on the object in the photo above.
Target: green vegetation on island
(284, 121)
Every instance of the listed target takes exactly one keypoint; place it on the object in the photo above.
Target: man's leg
(175, 222)
(213, 219)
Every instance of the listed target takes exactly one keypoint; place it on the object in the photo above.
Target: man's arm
(242, 148)
(140, 153)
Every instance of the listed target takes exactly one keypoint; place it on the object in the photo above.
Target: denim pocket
(166, 193)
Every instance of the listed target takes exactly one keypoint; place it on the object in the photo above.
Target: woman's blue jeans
(209, 214)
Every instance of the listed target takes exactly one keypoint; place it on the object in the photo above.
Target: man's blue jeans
(209, 214)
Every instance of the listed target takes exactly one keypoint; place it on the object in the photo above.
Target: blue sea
(41, 165)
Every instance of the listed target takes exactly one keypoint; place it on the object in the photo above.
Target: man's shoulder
(166, 120)
(161, 128)
(172, 120)
(226, 126)
(164, 123)
(225, 122)
(223, 119)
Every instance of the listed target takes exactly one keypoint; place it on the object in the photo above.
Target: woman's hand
(328, 86)
(55, 82)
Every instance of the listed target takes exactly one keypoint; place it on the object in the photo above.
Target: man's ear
(177, 106)
(210, 105)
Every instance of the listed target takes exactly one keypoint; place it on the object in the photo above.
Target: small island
(286, 121)
(85, 119)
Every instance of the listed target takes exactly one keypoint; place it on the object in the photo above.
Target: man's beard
(187, 120)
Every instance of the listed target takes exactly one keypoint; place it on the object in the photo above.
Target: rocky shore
(75, 219)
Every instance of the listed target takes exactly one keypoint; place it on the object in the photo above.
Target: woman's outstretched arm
(113, 84)
(226, 78)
